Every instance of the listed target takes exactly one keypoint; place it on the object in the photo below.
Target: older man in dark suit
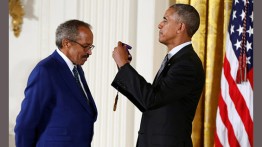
(58, 109)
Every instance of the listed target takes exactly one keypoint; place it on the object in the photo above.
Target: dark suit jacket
(169, 104)
(54, 112)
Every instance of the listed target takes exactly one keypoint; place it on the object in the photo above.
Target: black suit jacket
(169, 104)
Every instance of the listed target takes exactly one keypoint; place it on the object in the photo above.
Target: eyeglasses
(88, 47)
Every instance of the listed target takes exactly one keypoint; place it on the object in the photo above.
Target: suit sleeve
(30, 118)
(178, 82)
(123, 83)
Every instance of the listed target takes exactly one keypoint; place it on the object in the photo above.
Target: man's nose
(89, 52)
(160, 25)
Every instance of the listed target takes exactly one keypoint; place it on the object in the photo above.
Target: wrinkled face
(78, 51)
(168, 27)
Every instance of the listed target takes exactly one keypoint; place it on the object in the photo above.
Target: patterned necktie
(164, 62)
(76, 75)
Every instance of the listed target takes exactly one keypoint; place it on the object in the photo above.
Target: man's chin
(161, 41)
(82, 62)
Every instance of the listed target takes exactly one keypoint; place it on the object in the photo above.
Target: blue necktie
(76, 75)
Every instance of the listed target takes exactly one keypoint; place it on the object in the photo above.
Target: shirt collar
(177, 48)
(66, 59)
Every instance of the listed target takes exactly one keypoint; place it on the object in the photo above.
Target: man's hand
(120, 55)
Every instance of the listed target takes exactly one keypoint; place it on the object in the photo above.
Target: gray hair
(69, 30)
(188, 14)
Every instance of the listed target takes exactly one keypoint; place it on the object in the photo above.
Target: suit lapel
(156, 80)
(90, 97)
(172, 61)
(69, 80)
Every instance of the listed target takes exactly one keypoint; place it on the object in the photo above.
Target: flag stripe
(239, 102)
(224, 116)
(234, 121)
(232, 114)
(222, 131)
(219, 138)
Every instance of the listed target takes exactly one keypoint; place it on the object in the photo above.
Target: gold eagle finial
(16, 11)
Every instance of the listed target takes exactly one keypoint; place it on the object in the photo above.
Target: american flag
(234, 119)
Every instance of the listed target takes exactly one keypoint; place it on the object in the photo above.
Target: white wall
(132, 21)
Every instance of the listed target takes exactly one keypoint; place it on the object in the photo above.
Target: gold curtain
(209, 43)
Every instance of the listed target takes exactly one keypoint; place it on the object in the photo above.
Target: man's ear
(65, 43)
(182, 28)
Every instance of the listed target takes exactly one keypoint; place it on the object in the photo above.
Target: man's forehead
(169, 12)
